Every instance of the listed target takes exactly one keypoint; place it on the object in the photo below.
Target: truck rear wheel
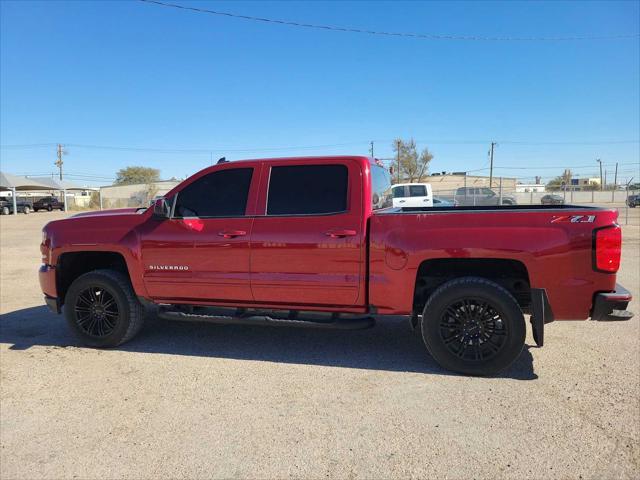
(473, 326)
(102, 310)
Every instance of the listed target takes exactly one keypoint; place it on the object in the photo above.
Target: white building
(530, 187)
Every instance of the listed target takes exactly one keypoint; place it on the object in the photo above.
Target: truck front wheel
(473, 326)
(102, 310)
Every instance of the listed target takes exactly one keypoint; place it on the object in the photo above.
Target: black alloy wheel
(472, 329)
(473, 326)
(102, 309)
(96, 311)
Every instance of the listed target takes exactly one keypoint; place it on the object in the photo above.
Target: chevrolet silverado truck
(315, 242)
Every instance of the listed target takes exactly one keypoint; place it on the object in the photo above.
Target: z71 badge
(574, 219)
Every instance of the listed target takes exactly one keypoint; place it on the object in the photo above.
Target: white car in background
(412, 195)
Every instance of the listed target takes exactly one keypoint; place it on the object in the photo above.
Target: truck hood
(114, 211)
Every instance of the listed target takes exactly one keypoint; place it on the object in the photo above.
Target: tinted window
(219, 194)
(417, 191)
(487, 191)
(398, 192)
(307, 190)
(461, 191)
(380, 187)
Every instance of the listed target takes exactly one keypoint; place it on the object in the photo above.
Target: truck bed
(553, 243)
(485, 208)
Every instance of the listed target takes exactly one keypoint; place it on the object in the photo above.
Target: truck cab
(412, 195)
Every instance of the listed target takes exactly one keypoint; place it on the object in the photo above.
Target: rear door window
(417, 191)
(307, 190)
(381, 187)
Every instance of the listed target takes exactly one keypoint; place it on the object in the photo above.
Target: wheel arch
(512, 275)
(72, 264)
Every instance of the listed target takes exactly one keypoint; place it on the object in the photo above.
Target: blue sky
(130, 74)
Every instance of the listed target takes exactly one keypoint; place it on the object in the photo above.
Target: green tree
(556, 183)
(135, 174)
(413, 166)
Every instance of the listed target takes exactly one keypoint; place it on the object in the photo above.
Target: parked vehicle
(312, 242)
(441, 202)
(633, 201)
(412, 195)
(480, 196)
(552, 199)
(22, 206)
(48, 203)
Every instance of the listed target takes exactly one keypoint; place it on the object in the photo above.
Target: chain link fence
(513, 195)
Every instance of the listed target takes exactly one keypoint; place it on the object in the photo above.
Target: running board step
(334, 322)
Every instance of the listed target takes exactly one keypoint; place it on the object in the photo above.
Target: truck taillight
(607, 245)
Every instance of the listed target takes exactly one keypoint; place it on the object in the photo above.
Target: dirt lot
(195, 400)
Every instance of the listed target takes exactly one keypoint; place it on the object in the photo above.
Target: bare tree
(413, 166)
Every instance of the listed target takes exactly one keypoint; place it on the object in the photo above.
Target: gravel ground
(196, 400)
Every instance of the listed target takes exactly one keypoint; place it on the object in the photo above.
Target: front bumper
(612, 306)
(53, 304)
(47, 277)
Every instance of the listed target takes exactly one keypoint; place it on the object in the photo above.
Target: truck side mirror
(161, 208)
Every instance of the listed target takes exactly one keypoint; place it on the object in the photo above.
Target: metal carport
(15, 183)
(61, 185)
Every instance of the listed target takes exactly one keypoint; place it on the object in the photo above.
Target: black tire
(49, 208)
(35, 210)
(483, 341)
(507, 202)
(26, 210)
(94, 321)
(5, 211)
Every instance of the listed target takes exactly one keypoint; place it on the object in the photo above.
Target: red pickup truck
(314, 242)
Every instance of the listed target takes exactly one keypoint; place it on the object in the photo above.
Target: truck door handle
(232, 233)
(340, 233)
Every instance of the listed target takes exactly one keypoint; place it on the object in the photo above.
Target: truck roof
(314, 159)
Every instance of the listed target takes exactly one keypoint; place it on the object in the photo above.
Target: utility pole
(398, 147)
(60, 162)
(615, 184)
(493, 144)
(371, 149)
(600, 162)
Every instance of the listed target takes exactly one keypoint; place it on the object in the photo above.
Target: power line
(29, 145)
(310, 147)
(210, 150)
(422, 36)
(525, 142)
